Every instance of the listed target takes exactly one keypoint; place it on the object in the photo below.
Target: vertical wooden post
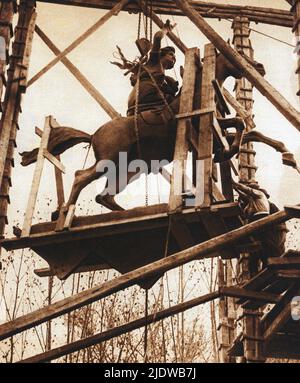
(242, 64)
(36, 179)
(12, 99)
(247, 168)
(181, 147)
(204, 165)
(6, 33)
(296, 11)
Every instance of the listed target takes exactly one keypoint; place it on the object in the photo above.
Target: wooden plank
(97, 96)
(197, 112)
(205, 143)
(48, 272)
(224, 109)
(284, 346)
(59, 186)
(54, 161)
(236, 292)
(283, 106)
(119, 330)
(284, 263)
(69, 217)
(181, 232)
(288, 274)
(259, 282)
(293, 211)
(202, 250)
(108, 224)
(241, 111)
(217, 195)
(181, 147)
(36, 179)
(226, 176)
(27, 53)
(206, 9)
(215, 225)
(113, 12)
(218, 133)
(280, 313)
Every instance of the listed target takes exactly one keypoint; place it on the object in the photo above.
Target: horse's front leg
(225, 123)
(82, 179)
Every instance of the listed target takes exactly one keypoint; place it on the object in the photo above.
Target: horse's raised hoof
(108, 202)
(289, 159)
(54, 215)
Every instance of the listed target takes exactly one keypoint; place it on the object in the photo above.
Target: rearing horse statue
(157, 134)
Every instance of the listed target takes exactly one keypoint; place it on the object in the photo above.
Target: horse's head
(225, 68)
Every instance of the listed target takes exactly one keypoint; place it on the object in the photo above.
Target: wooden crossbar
(114, 11)
(284, 107)
(109, 109)
(42, 155)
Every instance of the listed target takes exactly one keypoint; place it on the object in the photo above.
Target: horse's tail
(61, 139)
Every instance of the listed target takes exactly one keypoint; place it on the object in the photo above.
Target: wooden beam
(181, 146)
(280, 313)
(284, 346)
(27, 53)
(200, 251)
(206, 9)
(205, 140)
(113, 12)
(284, 107)
(117, 331)
(79, 76)
(241, 111)
(36, 179)
(54, 161)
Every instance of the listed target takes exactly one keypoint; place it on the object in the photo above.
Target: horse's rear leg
(107, 199)
(239, 125)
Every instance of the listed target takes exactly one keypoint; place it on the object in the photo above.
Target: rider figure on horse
(151, 85)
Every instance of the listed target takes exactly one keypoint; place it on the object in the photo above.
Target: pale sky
(59, 94)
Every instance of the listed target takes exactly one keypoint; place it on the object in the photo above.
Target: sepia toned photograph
(149, 184)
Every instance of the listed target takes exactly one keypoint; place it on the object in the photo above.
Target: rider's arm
(155, 50)
(156, 45)
(240, 188)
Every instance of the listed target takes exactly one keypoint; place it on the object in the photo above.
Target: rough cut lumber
(117, 331)
(280, 313)
(114, 11)
(79, 76)
(205, 140)
(181, 146)
(203, 250)
(291, 114)
(206, 9)
(36, 178)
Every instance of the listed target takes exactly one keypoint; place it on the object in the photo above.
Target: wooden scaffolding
(205, 224)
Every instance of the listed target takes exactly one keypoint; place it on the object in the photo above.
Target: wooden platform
(280, 333)
(123, 240)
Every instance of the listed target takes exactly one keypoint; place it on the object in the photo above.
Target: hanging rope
(146, 326)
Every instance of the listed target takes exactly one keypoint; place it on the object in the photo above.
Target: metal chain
(139, 26)
(136, 112)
